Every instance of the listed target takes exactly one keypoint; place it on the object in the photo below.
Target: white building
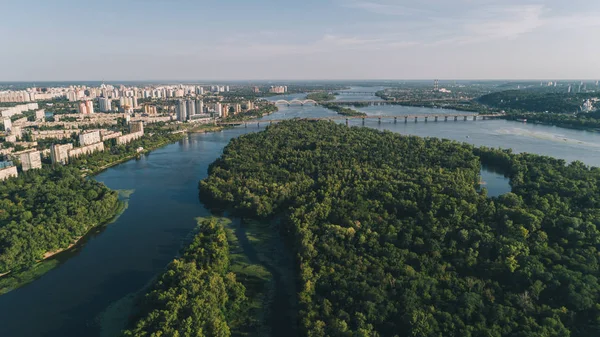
(89, 138)
(104, 104)
(31, 160)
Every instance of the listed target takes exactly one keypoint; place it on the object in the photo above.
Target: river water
(123, 258)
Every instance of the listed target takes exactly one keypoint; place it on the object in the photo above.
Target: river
(124, 257)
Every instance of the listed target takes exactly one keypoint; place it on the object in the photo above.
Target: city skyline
(327, 40)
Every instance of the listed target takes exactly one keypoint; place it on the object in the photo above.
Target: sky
(62, 40)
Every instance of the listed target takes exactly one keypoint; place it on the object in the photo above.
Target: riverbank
(15, 279)
(566, 122)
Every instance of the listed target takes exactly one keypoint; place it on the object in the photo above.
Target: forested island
(393, 237)
(343, 110)
(46, 210)
(321, 96)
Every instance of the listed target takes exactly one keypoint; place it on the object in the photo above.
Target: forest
(321, 96)
(393, 237)
(45, 210)
(533, 101)
(197, 295)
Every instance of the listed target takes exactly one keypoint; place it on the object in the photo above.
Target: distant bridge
(296, 102)
(415, 117)
(363, 93)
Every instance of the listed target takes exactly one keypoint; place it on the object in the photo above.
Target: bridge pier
(474, 118)
(445, 118)
(379, 120)
(465, 118)
(416, 119)
(426, 118)
(436, 117)
(395, 120)
(455, 118)
(346, 121)
(405, 119)
(258, 125)
(271, 123)
(363, 121)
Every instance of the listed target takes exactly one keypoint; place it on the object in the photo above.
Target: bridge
(415, 117)
(363, 93)
(295, 102)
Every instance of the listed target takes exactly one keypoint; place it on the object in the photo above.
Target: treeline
(578, 121)
(393, 239)
(534, 101)
(45, 210)
(197, 295)
(343, 110)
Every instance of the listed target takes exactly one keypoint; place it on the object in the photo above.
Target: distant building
(249, 105)
(219, 109)
(237, 108)
(7, 170)
(31, 160)
(256, 90)
(137, 126)
(278, 89)
(150, 109)
(181, 110)
(89, 138)
(82, 108)
(40, 115)
(199, 107)
(59, 154)
(89, 106)
(7, 125)
(104, 104)
(191, 108)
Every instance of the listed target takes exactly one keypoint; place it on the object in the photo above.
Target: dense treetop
(393, 237)
(45, 210)
(534, 101)
(196, 296)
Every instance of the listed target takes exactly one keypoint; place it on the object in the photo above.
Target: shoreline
(50, 259)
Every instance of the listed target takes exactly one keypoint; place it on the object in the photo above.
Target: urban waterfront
(71, 299)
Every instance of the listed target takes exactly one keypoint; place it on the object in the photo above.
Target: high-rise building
(227, 88)
(181, 110)
(72, 96)
(256, 89)
(249, 105)
(191, 108)
(82, 108)
(219, 109)
(199, 106)
(199, 91)
(237, 108)
(31, 160)
(89, 107)
(104, 104)
(60, 153)
(7, 125)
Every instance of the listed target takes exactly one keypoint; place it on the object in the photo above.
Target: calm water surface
(69, 300)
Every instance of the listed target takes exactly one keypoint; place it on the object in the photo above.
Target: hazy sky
(301, 39)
